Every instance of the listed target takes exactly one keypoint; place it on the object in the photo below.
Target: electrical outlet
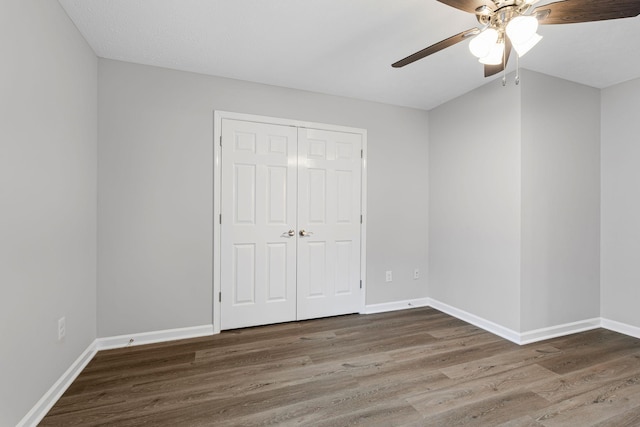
(416, 274)
(62, 328)
(389, 277)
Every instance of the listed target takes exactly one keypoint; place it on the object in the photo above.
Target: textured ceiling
(341, 47)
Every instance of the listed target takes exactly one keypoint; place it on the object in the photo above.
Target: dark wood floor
(410, 368)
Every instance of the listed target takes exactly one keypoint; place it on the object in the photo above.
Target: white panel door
(258, 231)
(329, 198)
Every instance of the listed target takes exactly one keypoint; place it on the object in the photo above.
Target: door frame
(218, 116)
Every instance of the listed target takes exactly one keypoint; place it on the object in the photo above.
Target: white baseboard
(153, 337)
(620, 327)
(528, 337)
(44, 405)
(487, 325)
(559, 330)
(396, 305)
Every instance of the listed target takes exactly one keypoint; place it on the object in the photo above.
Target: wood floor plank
(462, 394)
(579, 382)
(630, 418)
(392, 413)
(234, 382)
(501, 362)
(445, 346)
(619, 345)
(491, 411)
(411, 368)
(347, 406)
(203, 406)
(594, 406)
(525, 421)
(216, 353)
(453, 331)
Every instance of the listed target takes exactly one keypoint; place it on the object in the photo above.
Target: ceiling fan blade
(469, 5)
(490, 70)
(574, 11)
(436, 47)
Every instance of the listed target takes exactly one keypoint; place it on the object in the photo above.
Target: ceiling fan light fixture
(521, 28)
(516, 23)
(495, 56)
(481, 45)
(525, 47)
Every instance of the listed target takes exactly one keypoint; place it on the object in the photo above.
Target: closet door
(258, 231)
(329, 197)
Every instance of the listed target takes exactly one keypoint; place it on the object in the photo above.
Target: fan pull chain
(504, 67)
(517, 70)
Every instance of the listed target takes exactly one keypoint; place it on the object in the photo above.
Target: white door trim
(218, 116)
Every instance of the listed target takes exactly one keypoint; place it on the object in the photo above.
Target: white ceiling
(341, 47)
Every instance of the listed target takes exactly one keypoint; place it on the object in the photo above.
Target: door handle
(291, 233)
(304, 233)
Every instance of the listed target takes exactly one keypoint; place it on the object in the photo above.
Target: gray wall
(156, 190)
(620, 266)
(474, 203)
(560, 201)
(48, 138)
(514, 195)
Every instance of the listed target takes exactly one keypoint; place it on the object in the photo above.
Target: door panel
(329, 197)
(316, 272)
(259, 198)
(276, 179)
(316, 196)
(276, 268)
(245, 201)
(344, 252)
(244, 273)
(277, 197)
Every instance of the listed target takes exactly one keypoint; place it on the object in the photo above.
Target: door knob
(291, 233)
(304, 233)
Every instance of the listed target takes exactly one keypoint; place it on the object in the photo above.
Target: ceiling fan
(513, 24)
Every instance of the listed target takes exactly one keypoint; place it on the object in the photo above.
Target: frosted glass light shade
(525, 47)
(480, 46)
(521, 28)
(495, 55)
